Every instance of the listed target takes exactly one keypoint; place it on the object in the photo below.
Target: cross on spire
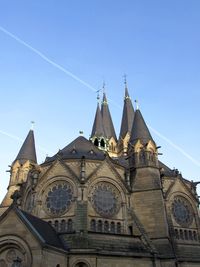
(125, 80)
(103, 87)
(32, 125)
(98, 95)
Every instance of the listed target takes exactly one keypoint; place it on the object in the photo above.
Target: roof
(27, 151)
(42, 228)
(140, 130)
(107, 120)
(127, 115)
(77, 149)
(97, 129)
(166, 170)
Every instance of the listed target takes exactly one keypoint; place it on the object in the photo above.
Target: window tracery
(182, 211)
(105, 199)
(58, 198)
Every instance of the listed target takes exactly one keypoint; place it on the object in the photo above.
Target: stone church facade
(102, 202)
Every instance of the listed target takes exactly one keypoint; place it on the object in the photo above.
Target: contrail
(56, 65)
(175, 146)
(53, 63)
(21, 140)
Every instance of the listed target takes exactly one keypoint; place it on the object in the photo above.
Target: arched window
(112, 227)
(119, 228)
(181, 234)
(96, 142)
(56, 225)
(102, 143)
(63, 226)
(70, 225)
(106, 226)
(99, 226)
(130, 230)
(93, 225)
(195, 235)
(50, 222)
(190, 235)
(176, 234)
(186, 234)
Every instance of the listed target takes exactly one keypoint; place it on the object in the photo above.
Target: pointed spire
(126, 87)
(107, 120)
(126, 93)
(140, 130)
(104, 102)
(97, 129)
(127, 115)
(27, 151)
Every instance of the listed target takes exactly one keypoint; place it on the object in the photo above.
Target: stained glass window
(182, 211)
(105, 199)
(59, 198)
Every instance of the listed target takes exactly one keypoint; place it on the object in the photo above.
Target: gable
(16, 239)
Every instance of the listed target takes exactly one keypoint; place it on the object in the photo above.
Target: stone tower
(25, 161)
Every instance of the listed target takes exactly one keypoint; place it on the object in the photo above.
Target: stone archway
(14, 250)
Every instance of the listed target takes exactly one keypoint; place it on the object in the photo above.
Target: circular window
(105, 199)
(182, 211)
(58, 198)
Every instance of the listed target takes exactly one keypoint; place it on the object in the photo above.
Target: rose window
(58, 198)
(105, 199)
(182, 211)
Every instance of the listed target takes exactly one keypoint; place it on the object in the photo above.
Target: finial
(32, 125)
(125, 80)
(103, 87)
(137, 104)
(126, 88)
(81, 133)
(98, 96)
(104, 94)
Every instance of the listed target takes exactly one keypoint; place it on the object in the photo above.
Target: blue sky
(156, 43)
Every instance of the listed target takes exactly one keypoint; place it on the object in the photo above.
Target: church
(106, 201)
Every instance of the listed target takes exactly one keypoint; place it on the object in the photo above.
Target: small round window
(58, 198)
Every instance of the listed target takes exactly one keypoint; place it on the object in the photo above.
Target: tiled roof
(140, 130)
(107, 120)
(27, 151)
(127, 116)
(77, 149)
(97, 129)
(43, 229)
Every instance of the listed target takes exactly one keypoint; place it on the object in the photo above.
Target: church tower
(98, 136)
(147, 198)
(103, 133)
(126, 123)
(108, 128)
(95, 203)
(19, 170)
